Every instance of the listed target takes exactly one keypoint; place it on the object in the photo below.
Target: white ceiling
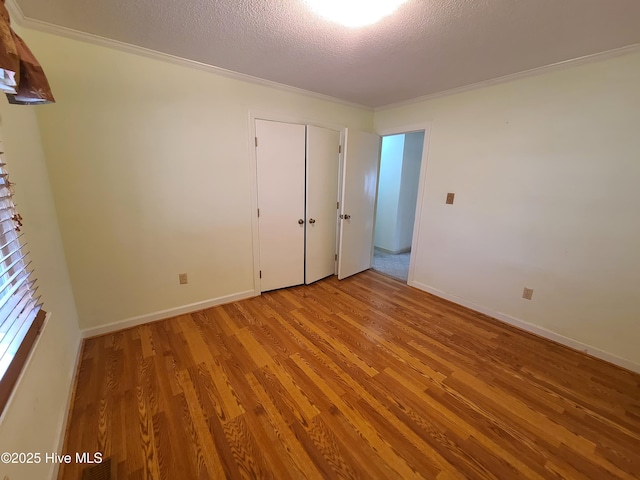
(427, 46)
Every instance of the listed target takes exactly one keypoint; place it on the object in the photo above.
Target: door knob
(300, 222)
(312, 221)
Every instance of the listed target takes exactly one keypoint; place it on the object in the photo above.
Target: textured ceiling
(427, 46)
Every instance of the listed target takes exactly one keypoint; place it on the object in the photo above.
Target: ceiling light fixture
(354, 13)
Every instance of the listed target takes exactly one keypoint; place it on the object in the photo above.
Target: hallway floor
(394, 265)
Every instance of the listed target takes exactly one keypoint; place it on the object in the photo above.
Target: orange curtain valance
(21, 76)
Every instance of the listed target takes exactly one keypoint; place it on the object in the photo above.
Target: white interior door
(280, 157)
(322, 195)
(357, 207)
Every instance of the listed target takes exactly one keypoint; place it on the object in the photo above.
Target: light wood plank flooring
(364, 378)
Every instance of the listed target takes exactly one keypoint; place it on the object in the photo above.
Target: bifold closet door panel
(323, 158)
(280, 157)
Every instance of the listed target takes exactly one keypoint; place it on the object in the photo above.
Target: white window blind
(20, 309)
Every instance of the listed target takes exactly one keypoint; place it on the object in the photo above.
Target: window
(21, 316)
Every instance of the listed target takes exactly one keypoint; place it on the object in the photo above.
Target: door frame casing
(253, 173)
(416, 127)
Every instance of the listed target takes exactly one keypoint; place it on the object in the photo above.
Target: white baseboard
(62, 424)
(531, 328)
(161, 315)
(394, 252)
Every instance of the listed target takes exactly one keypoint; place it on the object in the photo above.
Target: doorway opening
(398, 181)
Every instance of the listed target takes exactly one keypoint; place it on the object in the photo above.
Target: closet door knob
(300, 222)
(312, 221)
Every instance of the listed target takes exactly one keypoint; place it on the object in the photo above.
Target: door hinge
(258, 213)
(336, 257)
(260, 273)
(339, 148)
(256, 141)
(338, 205)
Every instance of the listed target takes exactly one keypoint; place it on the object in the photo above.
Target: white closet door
(280, 157)
(322, 195)
(357, 208)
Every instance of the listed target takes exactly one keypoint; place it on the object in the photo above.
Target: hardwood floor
(363, 378)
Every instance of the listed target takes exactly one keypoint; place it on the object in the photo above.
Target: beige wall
(546, 172)
(33, 420)
(150, 168)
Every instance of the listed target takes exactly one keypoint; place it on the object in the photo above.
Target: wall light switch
(182, 277)
(450, 197)
(527, 293)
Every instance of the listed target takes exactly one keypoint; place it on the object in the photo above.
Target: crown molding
(554, 67)
(15, 12)
(18, 17)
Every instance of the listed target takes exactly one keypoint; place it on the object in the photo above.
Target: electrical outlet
(527, 293)
(182, 277)
(450, 197)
